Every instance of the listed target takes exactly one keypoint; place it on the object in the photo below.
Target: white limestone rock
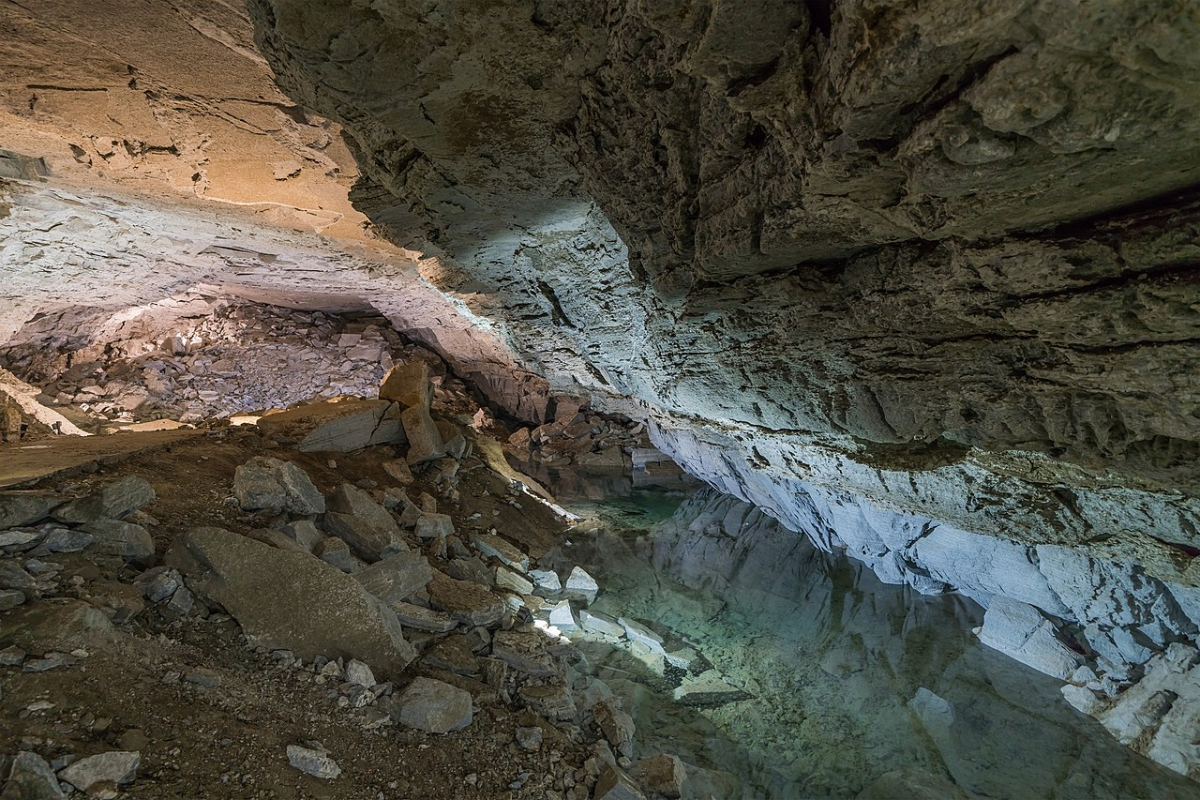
(1020, 631)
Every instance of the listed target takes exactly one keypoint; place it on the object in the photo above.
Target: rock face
(290, 600)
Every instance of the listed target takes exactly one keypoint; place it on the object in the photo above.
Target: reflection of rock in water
(849, 679)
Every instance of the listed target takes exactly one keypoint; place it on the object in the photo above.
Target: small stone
(182, 601)
(159, 583)
(359, 673)
(399, 471)
(313, 762)
(530, 739)
(304, 533)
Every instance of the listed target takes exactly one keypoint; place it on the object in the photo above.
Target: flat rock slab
(707, 689)
(114, 501)
(468, 602)
(291, 601)
(424, 619)
(434, 707)
(336, 427)
(424, 441)
(497, 547)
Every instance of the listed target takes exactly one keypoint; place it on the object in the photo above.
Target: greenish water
(848, 678)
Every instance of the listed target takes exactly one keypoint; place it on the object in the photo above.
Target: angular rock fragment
(453, 654)
(562, 617)
(313, 762)
(581, 586)
(11, 598)
(399, 471)
(13, 576)
(63, 540)
(159, 583)
(60, 626)
(396, 578)
(434, 707)
(116, 768)
(336, 553)
(600, 623)
(288, 600)
(546, 581)
(277, 486)
(424, 442)
(304, 533)
(616, 725)
(707, 689)
(408, 384)
(31, 778)
(359, 673)
(551, 699)
(1020, 631)
(513, 581)
(112, 502)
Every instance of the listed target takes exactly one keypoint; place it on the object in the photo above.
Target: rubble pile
(411, 615)
(194, 358)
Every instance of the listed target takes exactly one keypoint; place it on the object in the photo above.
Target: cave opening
(609, 401)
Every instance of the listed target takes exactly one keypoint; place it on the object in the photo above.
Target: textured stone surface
(289, 600)
(434, 707)
(273, 485)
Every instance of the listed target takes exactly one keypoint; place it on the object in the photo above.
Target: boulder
(11, 598)
(270, 484)
(121, 539)
(114, 501)
(424, 440)
(396, 578)
(31, 778)
(467, 602)
(408, 384)
(366, 526)
(336, 427)
(305, 533)
(63, 540)
(14, 576)
(25, 508)
(434, 707)
(291, 601)
(115, 768)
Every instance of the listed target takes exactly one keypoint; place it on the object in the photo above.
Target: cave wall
(922, 237)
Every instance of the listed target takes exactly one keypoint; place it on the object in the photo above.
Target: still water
(847, 679)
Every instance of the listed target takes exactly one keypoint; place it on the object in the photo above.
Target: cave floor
(25, 461)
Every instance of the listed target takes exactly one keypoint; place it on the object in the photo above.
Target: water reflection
(850, 678)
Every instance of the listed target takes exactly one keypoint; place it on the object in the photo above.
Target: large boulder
(269, 484)
(114, 501)
(337, 427)
(291, 601)
(57, 626)
(31, 778)
(123, 540)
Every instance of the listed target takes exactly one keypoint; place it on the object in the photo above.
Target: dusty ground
(229, 739)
